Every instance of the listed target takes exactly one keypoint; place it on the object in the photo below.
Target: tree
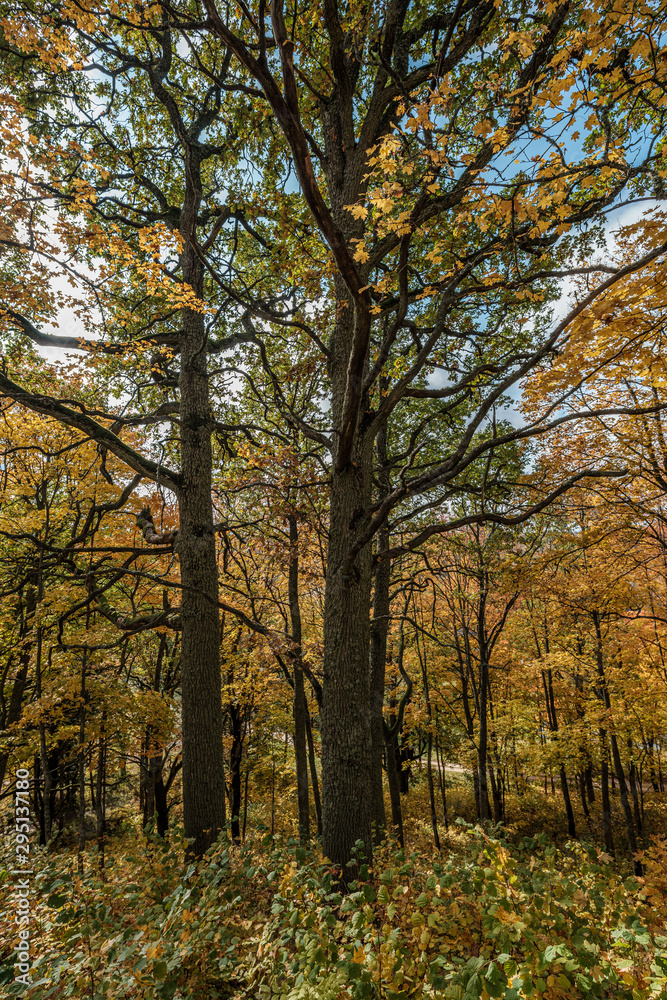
(142, 214)
(444, 191)
(395, 133)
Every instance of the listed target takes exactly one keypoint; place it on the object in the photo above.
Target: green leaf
(495, 981)
(160, 970)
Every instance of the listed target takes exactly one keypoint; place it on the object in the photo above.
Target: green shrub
(493, 920)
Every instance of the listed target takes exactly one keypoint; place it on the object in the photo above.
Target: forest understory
(508, 911)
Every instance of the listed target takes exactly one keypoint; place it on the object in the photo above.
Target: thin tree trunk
(482, 747)
(82, 763)
(18, 689)
(273, 788)
(604, 783)
(442, 777)
(236, 756)
(547, 681)
(496, 794)
(161, 807)
(43, 750)
(569, 812)
(431, 792)
(429, 751)
(314, 781)
(378, 650)
(38, 801)
(394, 788)
(616, 756)
(148, 764)
(483, 738)
(299, 694)
(632, 778)
(48, 783)
(625, 803)
(144, 805)
(100, 806)
(651, 769)
(245, 802)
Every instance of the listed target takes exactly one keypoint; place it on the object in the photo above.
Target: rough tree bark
(201, 687)
(346, 717)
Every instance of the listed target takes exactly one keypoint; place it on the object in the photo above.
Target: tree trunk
(100, 804)
(149, 765)
(301, 755)
(201, 689)
(145, 806)
(429, 752)
(379, 632)
(273, 789)
(394, 788)
(82, 762)
(569, 812)
(299, 694)
(38, 801)
(48, 783)
(584, 803)
(606, 804)
(245, 801)
(314, 781)
(161, 808)
(482, 746)
(632, 778)
(236, 757)
(431, 792)
(625, 803)
(439, 759)
(465, 672)
(43, 749)
(547, 681)
(651, 767)
(483, 739)
(345, 715)
(18, 689)
(404, 754)
(616, 756)
(496, 794)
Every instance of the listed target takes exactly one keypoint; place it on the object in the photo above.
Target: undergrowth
(490, 919)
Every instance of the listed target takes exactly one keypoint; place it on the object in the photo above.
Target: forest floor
(511, 912)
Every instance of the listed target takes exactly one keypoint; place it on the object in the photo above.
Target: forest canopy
(332, 535)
